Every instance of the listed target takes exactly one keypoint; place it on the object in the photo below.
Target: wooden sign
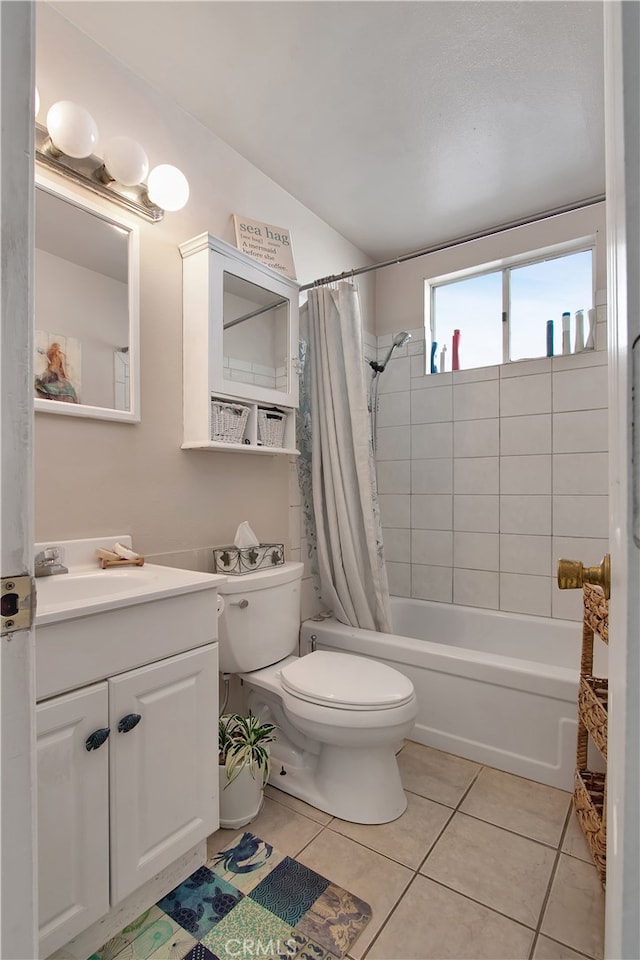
(266, 243)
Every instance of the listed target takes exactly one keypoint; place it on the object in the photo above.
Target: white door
(164, 765)
(18, 907)
(73, 814)
(622, 116)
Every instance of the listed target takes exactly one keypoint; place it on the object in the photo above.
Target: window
(502, 311)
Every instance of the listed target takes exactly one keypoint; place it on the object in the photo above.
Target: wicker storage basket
(592, 705)
(596, 611)
(590, 786)
(271, 424)
(228, 421)
(589, 801)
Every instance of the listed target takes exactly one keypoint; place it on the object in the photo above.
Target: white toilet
(340, 718)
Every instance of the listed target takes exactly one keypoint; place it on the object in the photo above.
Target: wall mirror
(86, 304)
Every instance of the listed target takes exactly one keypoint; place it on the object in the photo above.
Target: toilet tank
(260, 622)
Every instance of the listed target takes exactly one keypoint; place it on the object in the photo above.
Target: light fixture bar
(87, 172)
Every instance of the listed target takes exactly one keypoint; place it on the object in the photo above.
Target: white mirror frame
(119, 219)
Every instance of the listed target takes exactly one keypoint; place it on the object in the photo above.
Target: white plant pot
(240, 801)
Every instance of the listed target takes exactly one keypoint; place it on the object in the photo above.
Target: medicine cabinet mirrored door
(240, 335)
(255, 335)
(86, 358)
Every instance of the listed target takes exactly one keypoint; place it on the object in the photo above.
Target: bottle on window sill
(455, 351)
(566, 332)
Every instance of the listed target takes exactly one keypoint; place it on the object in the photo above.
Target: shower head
(398, 341)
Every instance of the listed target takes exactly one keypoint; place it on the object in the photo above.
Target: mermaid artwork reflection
(54, 384)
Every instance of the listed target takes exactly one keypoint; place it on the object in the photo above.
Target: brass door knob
(573, 575)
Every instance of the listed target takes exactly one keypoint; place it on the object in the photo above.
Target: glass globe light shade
(168, 187)
(37, 102)
(125, 160)
(72, 129)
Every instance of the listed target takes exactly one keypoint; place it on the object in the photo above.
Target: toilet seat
(345, 682)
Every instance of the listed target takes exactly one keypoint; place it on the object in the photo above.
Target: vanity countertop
(84, 591)
(87, 590)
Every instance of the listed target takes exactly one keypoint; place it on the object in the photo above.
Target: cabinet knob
(129, 722)
(97, 738)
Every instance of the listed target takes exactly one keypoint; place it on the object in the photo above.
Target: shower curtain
(337, 470)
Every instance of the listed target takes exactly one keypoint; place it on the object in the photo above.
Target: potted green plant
(244, 765)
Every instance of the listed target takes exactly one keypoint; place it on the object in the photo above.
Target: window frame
(504, 265)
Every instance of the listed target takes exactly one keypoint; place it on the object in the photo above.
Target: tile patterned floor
(482, 864)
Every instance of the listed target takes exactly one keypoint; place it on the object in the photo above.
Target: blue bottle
(433, 368)
(549, 338)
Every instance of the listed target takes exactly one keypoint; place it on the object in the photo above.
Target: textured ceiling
(401, 124)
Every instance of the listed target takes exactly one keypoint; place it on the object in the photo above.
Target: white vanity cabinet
(111, 817)
(73, 815)
(164, 770)
(127, 750)
(114, 819)
(240, 343)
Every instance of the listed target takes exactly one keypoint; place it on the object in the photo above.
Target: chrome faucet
(49, 562)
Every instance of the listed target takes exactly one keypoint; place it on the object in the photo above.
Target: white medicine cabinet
(240, 351)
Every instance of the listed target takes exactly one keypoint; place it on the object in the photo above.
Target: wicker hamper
(271, 424)
(228, 421)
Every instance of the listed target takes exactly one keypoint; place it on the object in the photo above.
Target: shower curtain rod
(347, 274)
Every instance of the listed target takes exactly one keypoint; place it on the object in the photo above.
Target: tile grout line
(400, 863)
(552, 877)
(389, 915)
(454, 810)
(514, 833)
(465, 896)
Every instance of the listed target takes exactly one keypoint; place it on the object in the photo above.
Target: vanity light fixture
(66, 144)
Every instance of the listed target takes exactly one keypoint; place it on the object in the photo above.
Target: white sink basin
(87, 589)
(87, 586)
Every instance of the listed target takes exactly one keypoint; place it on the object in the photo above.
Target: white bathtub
(497, 688)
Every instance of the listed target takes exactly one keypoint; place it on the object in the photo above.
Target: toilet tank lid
(342, 679)
(261, 579)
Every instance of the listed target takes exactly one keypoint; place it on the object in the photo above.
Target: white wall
(486, 477)
(99, 477)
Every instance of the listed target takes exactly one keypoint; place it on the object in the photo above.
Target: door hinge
(18, 603)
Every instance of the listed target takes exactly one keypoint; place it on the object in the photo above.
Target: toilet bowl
(340, 718)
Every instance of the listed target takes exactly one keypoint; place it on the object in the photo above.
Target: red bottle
(455, 351)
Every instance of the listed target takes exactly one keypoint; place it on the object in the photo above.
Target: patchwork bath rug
(249, 901)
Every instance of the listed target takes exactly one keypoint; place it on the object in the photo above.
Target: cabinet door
(164, 769)
(73, 815)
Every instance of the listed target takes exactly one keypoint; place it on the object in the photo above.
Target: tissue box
(238, 560)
